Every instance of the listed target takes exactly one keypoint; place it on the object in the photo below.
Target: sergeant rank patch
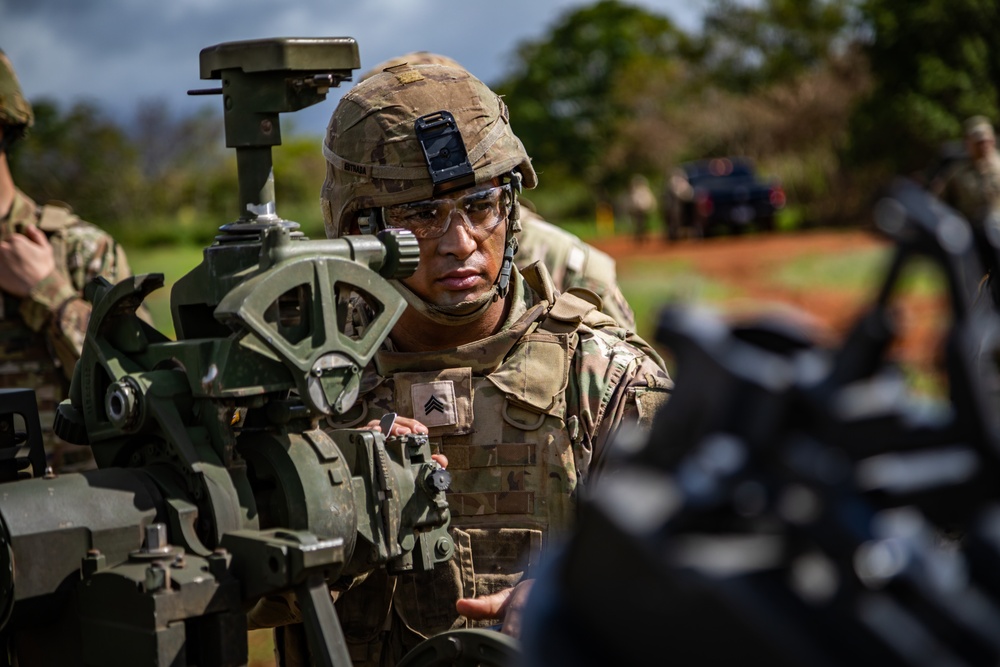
(434, 403)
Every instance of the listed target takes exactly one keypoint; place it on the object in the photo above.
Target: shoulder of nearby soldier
(23, 210)
(59, 218)
(540, 239)
(564, 247)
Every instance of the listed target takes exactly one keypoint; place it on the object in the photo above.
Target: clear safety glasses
(482, 211)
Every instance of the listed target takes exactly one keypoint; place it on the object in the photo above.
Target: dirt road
(750, 263)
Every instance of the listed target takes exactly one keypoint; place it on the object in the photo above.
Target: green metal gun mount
(218, 481)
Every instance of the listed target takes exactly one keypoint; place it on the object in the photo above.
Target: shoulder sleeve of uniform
(56, 217)
(614, 385)
(89, 252)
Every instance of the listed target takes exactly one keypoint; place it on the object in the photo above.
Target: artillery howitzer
(796, 505)
(216, 484)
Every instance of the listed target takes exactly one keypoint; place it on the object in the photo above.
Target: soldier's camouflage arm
(56, 308)
(614, 385)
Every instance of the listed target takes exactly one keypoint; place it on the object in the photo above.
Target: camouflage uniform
(520, 437)
(41, 337)
(524, 415)
(973, 188)
(572, 263)
(639, 203)
(524, 418)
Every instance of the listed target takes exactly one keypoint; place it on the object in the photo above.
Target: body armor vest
(498, 410)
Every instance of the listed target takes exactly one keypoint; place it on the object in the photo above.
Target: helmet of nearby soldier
(375, 157)
(978, 128)
(14, 109)
(412, 58)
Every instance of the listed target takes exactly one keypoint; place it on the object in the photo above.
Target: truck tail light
(777, 197)
(703, 203)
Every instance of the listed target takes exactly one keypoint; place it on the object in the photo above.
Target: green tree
(81, 157)
(748, 46)
(934, 63)
(563, 91)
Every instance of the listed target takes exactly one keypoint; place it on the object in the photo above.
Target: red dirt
(748, 262)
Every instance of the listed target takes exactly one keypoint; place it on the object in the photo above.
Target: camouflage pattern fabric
(41, 337)
(572, 263)
(374, 157)
(412, 58)
(973, 188)
(525, 417)
(14, 109)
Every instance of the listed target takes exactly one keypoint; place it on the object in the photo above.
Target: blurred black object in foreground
(796, 505)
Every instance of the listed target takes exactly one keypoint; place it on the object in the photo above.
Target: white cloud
(118, 52)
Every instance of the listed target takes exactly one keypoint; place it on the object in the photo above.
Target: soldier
(570, 261)
(47, 255)
(972, 186)
(521, 387)
(639, 203)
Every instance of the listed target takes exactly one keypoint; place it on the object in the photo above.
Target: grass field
(173, 262)
(648, 283)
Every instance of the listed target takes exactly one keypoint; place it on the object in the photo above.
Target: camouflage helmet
(14, 109)
(412, 58)
(978, 128)
(374, 157)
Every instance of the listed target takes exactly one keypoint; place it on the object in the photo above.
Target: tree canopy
(752, 45)
(830, 96)
(935, 63)
(562, 88)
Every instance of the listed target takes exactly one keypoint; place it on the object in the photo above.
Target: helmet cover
(374, 157)
(14, 109)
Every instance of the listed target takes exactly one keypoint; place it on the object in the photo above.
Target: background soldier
(972, 186)
(639, 204)
(47, 255)
(521, 387)
(570, 261)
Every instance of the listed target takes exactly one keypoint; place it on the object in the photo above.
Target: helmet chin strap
(453, 316)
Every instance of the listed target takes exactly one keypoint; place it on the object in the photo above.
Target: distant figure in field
(639, 204)
(972, 187)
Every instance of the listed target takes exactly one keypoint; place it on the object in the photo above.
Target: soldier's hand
(402, 426)
(25, 259)
(507, 604)
(406, 426)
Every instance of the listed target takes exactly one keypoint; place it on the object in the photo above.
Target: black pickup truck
(708, 197)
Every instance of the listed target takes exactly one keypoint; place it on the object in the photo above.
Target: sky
(118, 53)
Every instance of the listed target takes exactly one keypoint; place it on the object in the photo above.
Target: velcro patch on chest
(434, 403)
(441, 400)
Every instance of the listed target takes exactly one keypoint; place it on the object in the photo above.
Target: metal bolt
(443, 546)
(156, 538)
(157, 578)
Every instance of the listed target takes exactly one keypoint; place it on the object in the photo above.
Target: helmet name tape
(444, 150)
(356, 168)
